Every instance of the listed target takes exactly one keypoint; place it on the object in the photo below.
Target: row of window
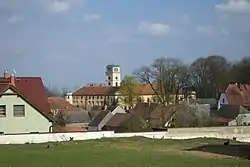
(18, 110)
(115, 78)
(90, 97)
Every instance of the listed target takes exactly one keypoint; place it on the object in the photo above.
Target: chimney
(6, 74)
(12, 80)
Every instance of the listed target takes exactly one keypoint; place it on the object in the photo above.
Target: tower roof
(111, 66)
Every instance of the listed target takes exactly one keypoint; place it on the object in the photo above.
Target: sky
(69, 42)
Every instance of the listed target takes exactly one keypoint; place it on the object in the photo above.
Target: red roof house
(27, 97)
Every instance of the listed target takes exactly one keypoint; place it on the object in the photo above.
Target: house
(73, 116)
(23, 105)
(143, 110)
(115, 123)
(103, 117)
(236, 94)
(100, 120)
(94, 111)
(59, 104)
(231, 115)
(161, 116)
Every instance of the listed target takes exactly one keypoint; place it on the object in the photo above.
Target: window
(19, 110)
(109, 78)
(109, 83)
(116, 84)
(223, 100)
(116, 78)
(3, 111)
(116, 69)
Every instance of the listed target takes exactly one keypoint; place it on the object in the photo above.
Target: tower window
(116, 78)
(109, 78)
(109, 83)
(116, 84)
(116, 69)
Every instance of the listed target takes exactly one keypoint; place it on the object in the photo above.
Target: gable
(119, 110)
(223, 99)
(9, 91)
(19, 95)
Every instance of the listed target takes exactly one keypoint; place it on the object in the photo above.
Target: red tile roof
(31, 89)
(238, 94)
(61, 104)
(145, 89)
(96, 90)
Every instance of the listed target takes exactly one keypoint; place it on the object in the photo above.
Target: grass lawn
(136, 152)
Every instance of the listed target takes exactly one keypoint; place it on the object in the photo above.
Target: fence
(241, 133)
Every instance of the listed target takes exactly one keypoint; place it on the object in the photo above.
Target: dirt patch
(207, 155)
(176, 151)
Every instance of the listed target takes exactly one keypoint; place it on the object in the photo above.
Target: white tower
(69, 97)
(113, 75)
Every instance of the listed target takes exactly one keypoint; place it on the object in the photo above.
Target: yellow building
(101, 95)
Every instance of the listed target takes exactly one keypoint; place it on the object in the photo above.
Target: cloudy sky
(69, 42)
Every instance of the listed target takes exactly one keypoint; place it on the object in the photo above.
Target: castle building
(107, 94)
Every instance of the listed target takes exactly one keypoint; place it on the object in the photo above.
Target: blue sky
(69, 42)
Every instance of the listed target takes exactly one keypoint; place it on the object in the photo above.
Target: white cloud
(91, 17)
(58, 6)
(239, 6)
(15, 18)
(157, 29)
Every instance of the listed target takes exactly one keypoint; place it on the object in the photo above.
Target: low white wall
(241, 133)
(53, 137)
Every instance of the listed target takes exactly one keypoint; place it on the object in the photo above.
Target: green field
(136, 152)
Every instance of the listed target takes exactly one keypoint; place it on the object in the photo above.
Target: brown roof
(96, 90)
(61, 104)
(143, 89)
(238, 94)
(161, 114)
(99, 118)
(31, 89)
(95, 110)
(143, 110)
(118, 119)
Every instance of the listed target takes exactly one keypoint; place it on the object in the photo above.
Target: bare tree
(209, 75)
(167, 76)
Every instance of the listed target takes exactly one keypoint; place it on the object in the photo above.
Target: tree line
(207, 76)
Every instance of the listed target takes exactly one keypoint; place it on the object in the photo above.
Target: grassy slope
(115, 153)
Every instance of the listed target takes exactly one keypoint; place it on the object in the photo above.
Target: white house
(23, 106)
